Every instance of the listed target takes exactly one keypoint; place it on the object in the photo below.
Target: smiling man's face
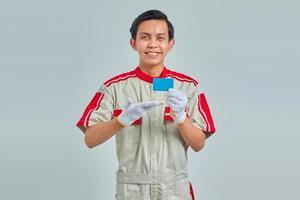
(152, 43)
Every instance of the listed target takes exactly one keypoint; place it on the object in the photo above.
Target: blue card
(162, 84)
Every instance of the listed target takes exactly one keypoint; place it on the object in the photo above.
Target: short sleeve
(100, 109)
(199, 112)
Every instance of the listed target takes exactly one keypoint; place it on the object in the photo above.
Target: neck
(153, 71)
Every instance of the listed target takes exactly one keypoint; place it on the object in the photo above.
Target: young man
(153, 130)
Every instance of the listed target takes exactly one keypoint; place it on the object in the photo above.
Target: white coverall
(151, 153)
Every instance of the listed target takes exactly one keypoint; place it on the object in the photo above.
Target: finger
(157, 103)
(176, 94)
(176, 110)
(150, 104)
(172, 90)
(174, 107)
(175, 103)
(174, 100)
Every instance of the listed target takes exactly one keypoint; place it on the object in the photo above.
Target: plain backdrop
(55, 54)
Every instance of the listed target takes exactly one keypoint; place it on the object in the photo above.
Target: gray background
(55, 54)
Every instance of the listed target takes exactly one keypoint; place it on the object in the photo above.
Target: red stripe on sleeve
(192, 192)
(206, 114)
(93, 105)
(117, 112)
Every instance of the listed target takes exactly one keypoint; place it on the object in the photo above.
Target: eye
(161, 38)
(143, 37)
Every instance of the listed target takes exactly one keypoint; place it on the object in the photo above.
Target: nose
(152, 43)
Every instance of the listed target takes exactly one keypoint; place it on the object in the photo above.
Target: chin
(152, 64)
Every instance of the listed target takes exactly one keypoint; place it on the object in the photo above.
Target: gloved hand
(177, 100)
(133, 111)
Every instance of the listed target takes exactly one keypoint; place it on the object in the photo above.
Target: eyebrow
(145, 33)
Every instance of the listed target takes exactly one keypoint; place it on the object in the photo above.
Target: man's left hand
(177, 100)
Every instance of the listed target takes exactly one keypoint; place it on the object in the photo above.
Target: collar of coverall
(148, 78)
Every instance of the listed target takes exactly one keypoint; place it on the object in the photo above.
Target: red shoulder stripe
(120, 77)
(182, 77)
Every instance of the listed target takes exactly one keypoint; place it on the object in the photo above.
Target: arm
(192, 135)
(99, 133)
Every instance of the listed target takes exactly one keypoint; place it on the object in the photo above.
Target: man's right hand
(133, 111)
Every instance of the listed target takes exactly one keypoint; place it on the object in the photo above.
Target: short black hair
(148, 15)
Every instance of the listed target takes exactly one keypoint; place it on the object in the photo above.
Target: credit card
(162, 84)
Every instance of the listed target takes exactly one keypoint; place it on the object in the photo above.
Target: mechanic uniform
(151, 153)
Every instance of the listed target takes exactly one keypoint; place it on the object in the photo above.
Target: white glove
(177, 100)
(133, 111)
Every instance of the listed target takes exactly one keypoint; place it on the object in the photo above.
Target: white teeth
(152, 53)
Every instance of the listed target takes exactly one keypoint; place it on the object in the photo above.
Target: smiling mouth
(152, 53)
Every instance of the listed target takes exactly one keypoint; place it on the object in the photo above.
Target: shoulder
(119, 78)
(182, 77)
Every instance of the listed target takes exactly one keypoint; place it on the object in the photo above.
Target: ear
(133, 44)
(171, 44)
